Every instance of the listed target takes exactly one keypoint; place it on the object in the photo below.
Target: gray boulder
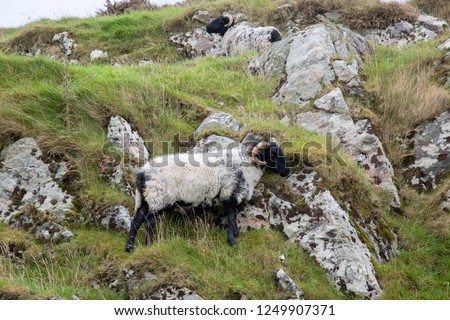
(325, 230)
(26, 180)
(219, 119)
(430, 153)
(308, 64)
(125, 139)
(360, 143)
(273, 61)
(198, 43)
(332, 102)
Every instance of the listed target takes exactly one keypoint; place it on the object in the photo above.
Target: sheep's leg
(232, 225)
(150, 222)
(137, 221)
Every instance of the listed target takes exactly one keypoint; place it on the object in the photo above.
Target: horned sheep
(197, 178)
(238, 38)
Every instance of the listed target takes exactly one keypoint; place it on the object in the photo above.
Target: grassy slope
(162, 100)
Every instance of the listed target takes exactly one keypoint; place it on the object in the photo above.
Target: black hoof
(129, 249)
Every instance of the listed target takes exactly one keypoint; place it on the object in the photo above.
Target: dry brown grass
(358, 14)
(437, 8)
(121, 7)
(409, 98)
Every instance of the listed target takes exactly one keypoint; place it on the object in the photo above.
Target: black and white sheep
(239, 38)
(197, 178)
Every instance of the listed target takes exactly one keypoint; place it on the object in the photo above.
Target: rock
(273, 61)
(98, 54)
(432, 23)
(218, 119)
(116, 218)
(52, 232)
(202, 16)
(360, 143)
(74, 62)
(254, 215)
(430, 153)
(308, 66)
(173, 292)
(198, 43)
(26, 180)
(66, 42)
(126, 140)
(282, 258)
(324, 229)
(402, 33)
(445, 45)
(332, 102)
(289, 285)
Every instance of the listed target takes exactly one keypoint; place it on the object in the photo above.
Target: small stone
(282, 258)
(289, 285)
(98, 54)
(52, 232)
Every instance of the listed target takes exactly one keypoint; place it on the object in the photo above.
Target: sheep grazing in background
(198, 178)
(240, 38)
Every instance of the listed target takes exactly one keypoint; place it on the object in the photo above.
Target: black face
(275, 159)
(218, 25)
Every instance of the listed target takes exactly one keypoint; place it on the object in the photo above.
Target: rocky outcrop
(198, 43)
(429, 161)
(126, 140)
(404, 32)
(360, 143)
(218, 119)
(26, 180)
(313, 59)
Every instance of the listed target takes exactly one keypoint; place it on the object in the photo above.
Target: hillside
(359, 96)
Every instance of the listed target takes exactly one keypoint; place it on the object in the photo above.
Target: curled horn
(257, 149)
(230, 19)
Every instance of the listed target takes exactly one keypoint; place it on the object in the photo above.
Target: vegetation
(172, 96)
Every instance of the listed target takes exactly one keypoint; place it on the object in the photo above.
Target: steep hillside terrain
(365, 213)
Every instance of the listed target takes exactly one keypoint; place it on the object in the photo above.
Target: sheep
(199, 178)
(239, 38)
